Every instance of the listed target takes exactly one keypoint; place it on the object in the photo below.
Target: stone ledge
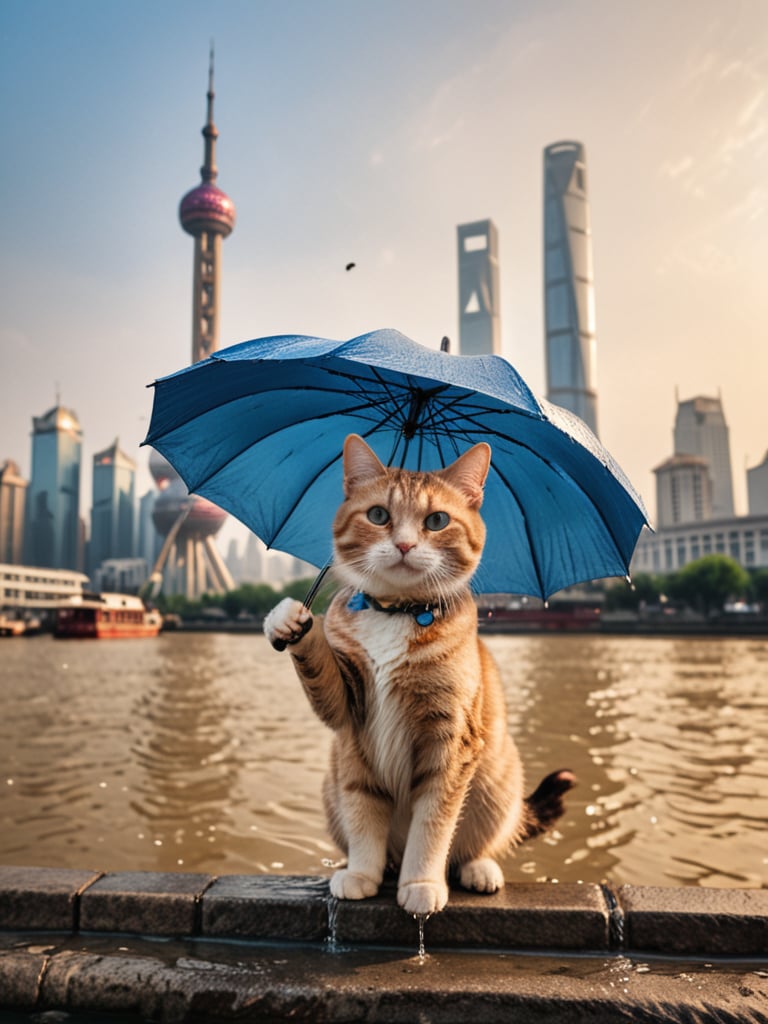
(42, 898)
(520, 916)
(291, 908)
(194, 981)
(298, 909)
(717, 922)
(143, 903)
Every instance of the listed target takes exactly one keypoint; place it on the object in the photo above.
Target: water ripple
(201, 753)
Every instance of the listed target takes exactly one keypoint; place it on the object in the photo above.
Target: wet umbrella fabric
(258, 429)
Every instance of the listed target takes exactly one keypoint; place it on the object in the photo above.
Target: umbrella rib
(529, 538)
(363, 407)
(558, 469)
(276, 533)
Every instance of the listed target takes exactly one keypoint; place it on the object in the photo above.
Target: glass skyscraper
(52, 535)
(569, 296)
(113, 510)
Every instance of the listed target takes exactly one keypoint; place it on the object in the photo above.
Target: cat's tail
(545, 805)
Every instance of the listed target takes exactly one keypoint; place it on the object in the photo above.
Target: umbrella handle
(280, 645)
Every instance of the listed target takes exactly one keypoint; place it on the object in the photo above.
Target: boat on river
(106, 616)
(11, 626)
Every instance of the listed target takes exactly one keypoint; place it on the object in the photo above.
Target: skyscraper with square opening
(569, 293)
(479, 317)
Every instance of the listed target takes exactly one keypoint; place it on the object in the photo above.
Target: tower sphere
(207, 208)
(204, 519)
(162, 471)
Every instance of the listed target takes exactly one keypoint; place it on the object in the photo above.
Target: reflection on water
(200, 753)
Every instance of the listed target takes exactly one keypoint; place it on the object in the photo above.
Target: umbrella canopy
(258, 429)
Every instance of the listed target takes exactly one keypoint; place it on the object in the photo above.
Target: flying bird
(350, 265)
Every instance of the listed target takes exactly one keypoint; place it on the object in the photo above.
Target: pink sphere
(207, 208)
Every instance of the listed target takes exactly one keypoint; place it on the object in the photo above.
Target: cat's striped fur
(423, 773)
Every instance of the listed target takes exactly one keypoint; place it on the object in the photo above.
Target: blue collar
(422, 614)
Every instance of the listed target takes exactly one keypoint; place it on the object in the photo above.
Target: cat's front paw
(287, 623)
(482, 875)
(351, 885)
(422, 897)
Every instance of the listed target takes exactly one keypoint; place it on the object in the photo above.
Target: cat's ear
(360, 463)
(467, 474)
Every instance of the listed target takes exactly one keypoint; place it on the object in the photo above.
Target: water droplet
(422, 919)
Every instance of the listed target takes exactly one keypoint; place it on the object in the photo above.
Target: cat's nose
(403, 547)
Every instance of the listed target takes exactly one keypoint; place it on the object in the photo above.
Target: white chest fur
(385, 638)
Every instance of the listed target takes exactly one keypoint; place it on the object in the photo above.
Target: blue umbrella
(258, 429)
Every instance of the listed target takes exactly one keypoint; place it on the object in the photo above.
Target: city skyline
(334, 160)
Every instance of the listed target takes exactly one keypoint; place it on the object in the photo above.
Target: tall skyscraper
(569, 293)
(52, 531)
(189, 562)
(700, 429)
(13, 494)
(113, 512)
(479, 304)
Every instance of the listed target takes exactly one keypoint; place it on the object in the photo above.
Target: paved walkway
(186, 947)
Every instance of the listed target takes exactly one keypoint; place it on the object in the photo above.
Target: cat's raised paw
(351, 885)
(422, 897)
(287, 623)
(482, 875)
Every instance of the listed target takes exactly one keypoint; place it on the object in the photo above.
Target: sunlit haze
(366, 132)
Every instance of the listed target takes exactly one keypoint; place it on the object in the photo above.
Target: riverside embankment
(197, 948)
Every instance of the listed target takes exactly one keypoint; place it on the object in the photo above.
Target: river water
(198, 752)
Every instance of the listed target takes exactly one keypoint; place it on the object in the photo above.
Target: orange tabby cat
(423, 773)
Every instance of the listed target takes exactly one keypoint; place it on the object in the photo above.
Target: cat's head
(402, 535)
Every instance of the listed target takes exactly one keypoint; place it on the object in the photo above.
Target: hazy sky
(366, 130)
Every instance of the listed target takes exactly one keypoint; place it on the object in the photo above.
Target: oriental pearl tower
(189, 562)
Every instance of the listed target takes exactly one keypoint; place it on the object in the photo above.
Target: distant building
(121, 575)
(479, 301)
(253, 564)
(52, 528)
(757, 488)
(24, 586)
(683, 491)
(233, 561)
(700, 429)
(743, 538)
(13, 494)
(569, 292)
(113, 510)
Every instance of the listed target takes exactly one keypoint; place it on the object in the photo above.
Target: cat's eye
(437, 521)
(378, 515)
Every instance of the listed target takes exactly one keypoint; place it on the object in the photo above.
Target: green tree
(298, 589)
(709, 582)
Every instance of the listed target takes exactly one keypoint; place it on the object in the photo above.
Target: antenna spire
(209, 171)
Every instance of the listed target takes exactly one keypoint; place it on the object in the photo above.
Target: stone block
(291, 908)
(42, 898)
(728, 922)
(144, 903)
(520, 916)
(20, 970)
